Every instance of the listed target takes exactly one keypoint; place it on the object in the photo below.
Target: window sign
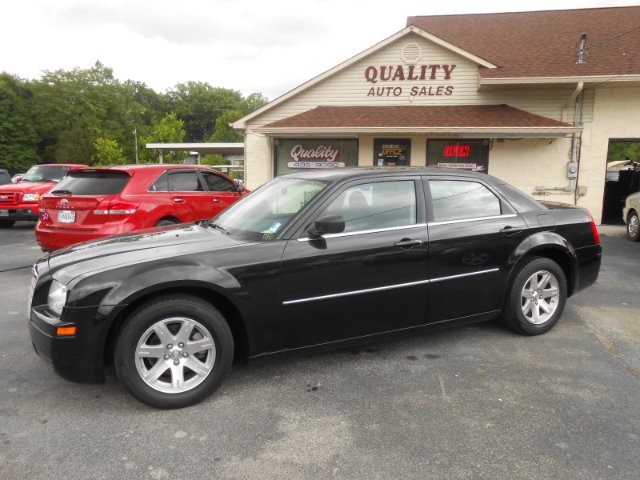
(298, 155)
(470, 155)
(391, 152)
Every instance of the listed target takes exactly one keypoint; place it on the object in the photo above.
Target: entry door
(189, 196)
(472, 234)
(371, 278)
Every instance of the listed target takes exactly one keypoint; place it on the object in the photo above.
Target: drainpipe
(574, 155)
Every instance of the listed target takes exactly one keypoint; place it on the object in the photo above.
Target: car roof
(339, 174)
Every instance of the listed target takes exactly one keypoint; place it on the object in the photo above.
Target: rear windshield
(83, 182)
(50, 173)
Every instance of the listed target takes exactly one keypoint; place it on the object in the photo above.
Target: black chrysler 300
(308, 260)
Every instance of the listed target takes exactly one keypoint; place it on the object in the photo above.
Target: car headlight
(57, 297)
(31, 197)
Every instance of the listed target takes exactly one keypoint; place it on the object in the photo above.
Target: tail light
(107, 207)
(594, 230)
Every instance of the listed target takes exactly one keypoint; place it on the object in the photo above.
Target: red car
(19, 201)
(97, 202)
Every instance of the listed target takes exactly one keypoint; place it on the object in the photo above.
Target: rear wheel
(633, 226)
(6, 223)
(165, 222)
(174, 352)
(536, 298)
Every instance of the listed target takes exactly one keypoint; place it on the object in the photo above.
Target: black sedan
(309, 260)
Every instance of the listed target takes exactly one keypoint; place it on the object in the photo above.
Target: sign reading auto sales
(321, 156)
(399, 80)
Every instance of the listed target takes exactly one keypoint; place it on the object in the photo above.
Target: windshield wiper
(219, 227)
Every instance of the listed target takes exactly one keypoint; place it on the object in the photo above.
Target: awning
(463, 121)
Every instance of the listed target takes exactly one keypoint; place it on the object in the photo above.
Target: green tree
(624, 150)
(253, 102)
(199, 105)
(225, 132)
(17, 135)
(108, 152)
(169, 129)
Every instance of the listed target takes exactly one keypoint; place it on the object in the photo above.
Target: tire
(6, 223)
(526, 314)
(174, 352)
(164, 222)
(633, 226)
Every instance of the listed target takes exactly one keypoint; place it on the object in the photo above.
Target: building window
(459, 154)
(392, 152)
(298, 155)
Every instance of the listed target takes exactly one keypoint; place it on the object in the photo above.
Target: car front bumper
(19, 212)
(77, 357)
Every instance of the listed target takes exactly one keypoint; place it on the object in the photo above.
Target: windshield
(38, 173)
(266, 212)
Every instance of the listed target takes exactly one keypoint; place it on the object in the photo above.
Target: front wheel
(536, 298)
(633, 227)
(174, 352)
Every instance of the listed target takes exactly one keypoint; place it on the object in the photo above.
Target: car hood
(28, 187)
(144, 246)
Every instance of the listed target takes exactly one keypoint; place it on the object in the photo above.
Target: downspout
(574, 155)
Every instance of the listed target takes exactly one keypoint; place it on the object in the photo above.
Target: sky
(265, 46)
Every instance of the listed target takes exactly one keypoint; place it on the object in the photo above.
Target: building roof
(545, 43)
(496, 118)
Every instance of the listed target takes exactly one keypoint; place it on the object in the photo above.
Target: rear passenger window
(184, 182)
(92, 183)
(161, 184)
(458, 200)
(216, 183)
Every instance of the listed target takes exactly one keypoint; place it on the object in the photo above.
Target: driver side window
(376, 205)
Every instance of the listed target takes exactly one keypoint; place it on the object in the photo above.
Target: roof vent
(582, 50)
(411, 53)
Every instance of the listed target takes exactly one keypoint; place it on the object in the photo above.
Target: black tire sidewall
(148, 314)
(165, 223)
(514, 316)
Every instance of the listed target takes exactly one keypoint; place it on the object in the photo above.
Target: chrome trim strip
(355, 292)
(385, 288)
(462, 275)
(465, 220)
(364, 232)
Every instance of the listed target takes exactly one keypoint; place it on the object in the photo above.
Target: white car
(630, 215)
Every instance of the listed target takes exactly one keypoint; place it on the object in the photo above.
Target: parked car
(19, 201)
(4, 176)
(309, 260)
(98, 202)
(630, 213)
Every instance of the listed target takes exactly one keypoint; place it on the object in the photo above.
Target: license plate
(67, 216)
(4, 213)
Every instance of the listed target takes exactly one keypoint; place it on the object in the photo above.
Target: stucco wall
(616, 115)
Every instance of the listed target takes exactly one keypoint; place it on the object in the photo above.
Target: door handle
(510, 231)
(408, 243)
(216, 200)
(178, 200)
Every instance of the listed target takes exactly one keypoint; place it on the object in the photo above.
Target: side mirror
(326, 225)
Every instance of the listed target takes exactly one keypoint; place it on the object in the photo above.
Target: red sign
(456, 150)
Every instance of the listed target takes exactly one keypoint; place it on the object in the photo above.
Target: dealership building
(534, 98)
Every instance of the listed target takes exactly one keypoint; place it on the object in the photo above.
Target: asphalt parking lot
(476, 402)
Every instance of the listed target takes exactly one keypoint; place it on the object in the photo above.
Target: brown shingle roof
(545, 43)
(498, 116)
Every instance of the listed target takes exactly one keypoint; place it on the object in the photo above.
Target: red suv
(19, 201)
(97, 202)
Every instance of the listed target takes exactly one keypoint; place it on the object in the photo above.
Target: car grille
(9, 198)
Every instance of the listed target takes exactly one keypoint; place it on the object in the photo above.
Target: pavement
(476, 402)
